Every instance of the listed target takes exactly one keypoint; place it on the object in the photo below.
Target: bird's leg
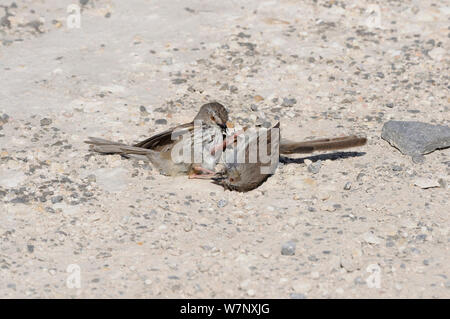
(201, 172)
(200, 169)
(201, 176)
(228, 140)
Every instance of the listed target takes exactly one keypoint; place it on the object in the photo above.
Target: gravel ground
(74, 224)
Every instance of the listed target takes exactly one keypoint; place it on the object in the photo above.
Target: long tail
(326, 144)
(108, 147)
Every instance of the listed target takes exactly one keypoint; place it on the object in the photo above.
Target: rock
(258, 98)
(347, 186)
(289, 102)
(370, 238)
(11, 178)
(288, 248)
(148, 282)
(46, 121)
(315, 167)
(348, 263)
(442, 182)
(416, 138)
(91, 178)
(179, 81)
(360, 177)
(222, 203)
(161, 121)
(425, 183)
(20, 200)
(4, 119)
(437, 54)
(57, 199)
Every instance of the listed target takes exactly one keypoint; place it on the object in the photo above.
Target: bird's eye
(212, 118)
(231, 179)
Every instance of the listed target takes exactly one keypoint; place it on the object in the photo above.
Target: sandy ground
(79, 225)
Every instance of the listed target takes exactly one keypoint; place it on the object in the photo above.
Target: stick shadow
(321, 157)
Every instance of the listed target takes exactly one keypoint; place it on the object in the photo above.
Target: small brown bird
(160, 148)
(244, 177)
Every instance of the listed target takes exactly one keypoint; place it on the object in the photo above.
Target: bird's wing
(158, 141)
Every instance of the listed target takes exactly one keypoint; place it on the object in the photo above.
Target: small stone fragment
(46, 122)
(425, 183)
(315, 167)
(288, 249)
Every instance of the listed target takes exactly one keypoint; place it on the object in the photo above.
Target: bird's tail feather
(108, 147)
(326, 144)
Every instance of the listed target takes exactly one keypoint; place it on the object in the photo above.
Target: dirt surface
(74, 224)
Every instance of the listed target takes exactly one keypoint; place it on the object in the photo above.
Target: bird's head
(213, 113)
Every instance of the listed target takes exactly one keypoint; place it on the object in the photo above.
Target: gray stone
(222, 203)
(19, 200)
(57, 199)
(289, 102)
(11, 178)
(288, 249)
(179, 81)
(46, 121)
(315, 167)
(442, 182)
(416, 138)
(161, 121)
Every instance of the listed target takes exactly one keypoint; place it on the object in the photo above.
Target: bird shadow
(321, 157)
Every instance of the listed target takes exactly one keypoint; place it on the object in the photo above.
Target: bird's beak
(218, 179)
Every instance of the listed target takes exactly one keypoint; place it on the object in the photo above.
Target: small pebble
(161, 121)
(222, 203)
(314, 168)
(46, 121)
(57, 199)
(288, 249)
